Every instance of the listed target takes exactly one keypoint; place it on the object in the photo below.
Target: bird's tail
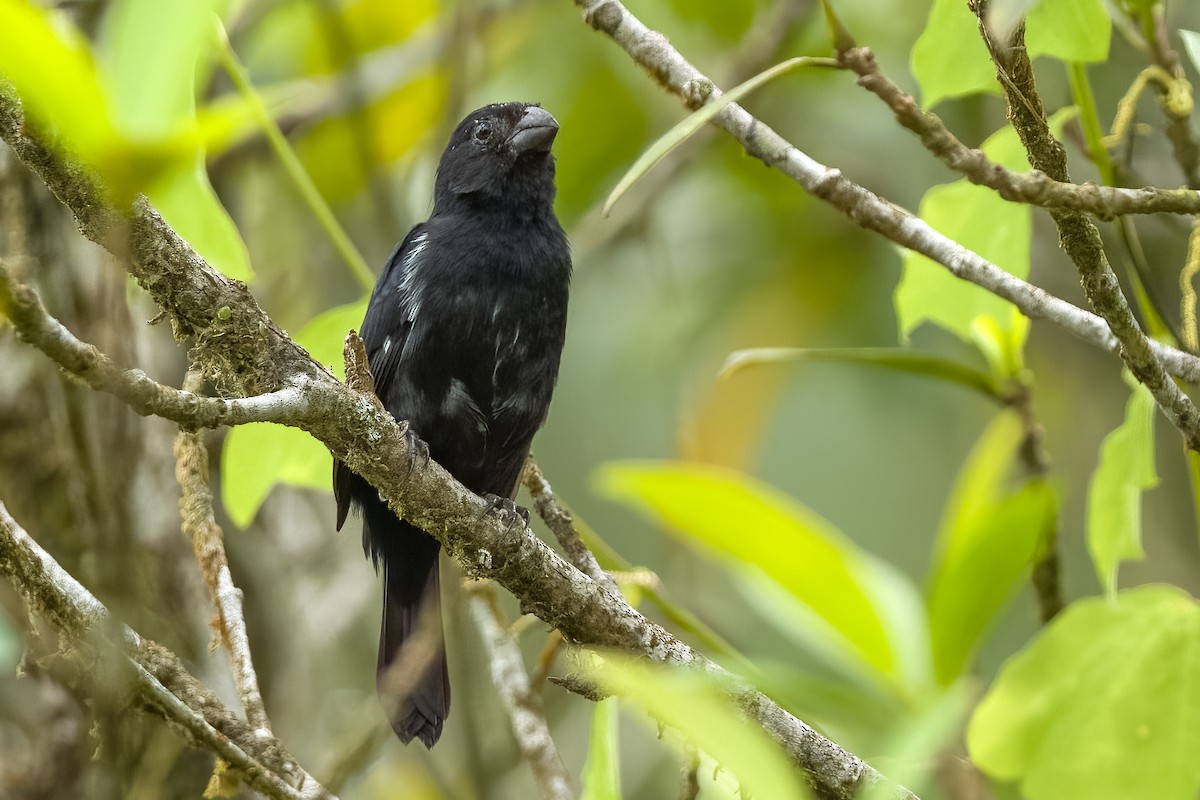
(412, 678)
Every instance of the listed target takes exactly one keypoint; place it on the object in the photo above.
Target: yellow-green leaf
(949, 58)
(747, 523)
(692, 703)
(988, 539)
(1104, 704)
(1126, 469)
(602, 773)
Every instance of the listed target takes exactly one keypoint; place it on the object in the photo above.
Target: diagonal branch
(200, 526)
(1078, 235)
(158, 681)
(654, 53)
(244, 352)
(520, 701)
(1036, 187)
(21, 304)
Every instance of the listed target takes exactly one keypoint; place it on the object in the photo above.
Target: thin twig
(520, 701)
(21, 304)
(200, 526)
(562, 525)
(1036, 187)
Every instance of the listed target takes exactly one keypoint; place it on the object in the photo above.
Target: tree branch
(1036, 187)
(200, 526)
(522, 704)
(654, 53)
(159, 682)
(562, 525)
(1078, 235)
(21, 304)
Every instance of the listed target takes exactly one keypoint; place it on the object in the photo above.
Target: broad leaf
(1104, 704)
(602, 773)
(156, 54)
(748, 523)
(256, 457)
(1069, 30)
(988, 539)
(980, 220)
(1126, 469)
(693, 704)
(949, 58)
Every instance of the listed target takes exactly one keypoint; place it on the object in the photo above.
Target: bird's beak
(534, 132)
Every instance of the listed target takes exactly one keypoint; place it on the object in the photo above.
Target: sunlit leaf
(1103, 704)
(154, 53)
(1126, 470)
(601, 776)
(980, 220)
(988, 539)
(697, 120)
(693, 704)
(899, 359)
(1191, 45)
(949, 58)
(986, 542)
(256, 457)
(1069, 30)
(52, 69)
(749, 523)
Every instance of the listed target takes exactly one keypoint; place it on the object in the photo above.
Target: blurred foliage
(856, 542)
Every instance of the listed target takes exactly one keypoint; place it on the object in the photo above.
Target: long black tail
(412, 678)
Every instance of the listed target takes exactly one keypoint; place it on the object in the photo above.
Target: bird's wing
(391, 312)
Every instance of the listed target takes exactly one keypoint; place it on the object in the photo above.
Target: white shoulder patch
(409, 287)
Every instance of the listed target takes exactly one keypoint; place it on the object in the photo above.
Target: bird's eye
(483, 132)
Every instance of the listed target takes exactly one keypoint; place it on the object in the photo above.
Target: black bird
(463, 334)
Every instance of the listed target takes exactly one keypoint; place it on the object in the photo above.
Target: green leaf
(256, 457)
(156, 53)
(1191, 45)
(52, 69)
(1104, 704)
(745, 522)
(186, 199)
(696, 706)
(899, 359)
(987, 541)
(1126, 469)
(980, 220)
(324, 336)
(988, 538)
(602, 773)
(1069, 30)
(698, 119)
(949, 58)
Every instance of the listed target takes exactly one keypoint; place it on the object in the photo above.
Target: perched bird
(463, 335)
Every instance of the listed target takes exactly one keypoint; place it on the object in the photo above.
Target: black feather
(463, 334)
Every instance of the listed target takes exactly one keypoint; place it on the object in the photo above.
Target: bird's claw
(505, 508)
(418, 451)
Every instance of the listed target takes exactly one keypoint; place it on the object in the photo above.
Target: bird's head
(499, 153)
